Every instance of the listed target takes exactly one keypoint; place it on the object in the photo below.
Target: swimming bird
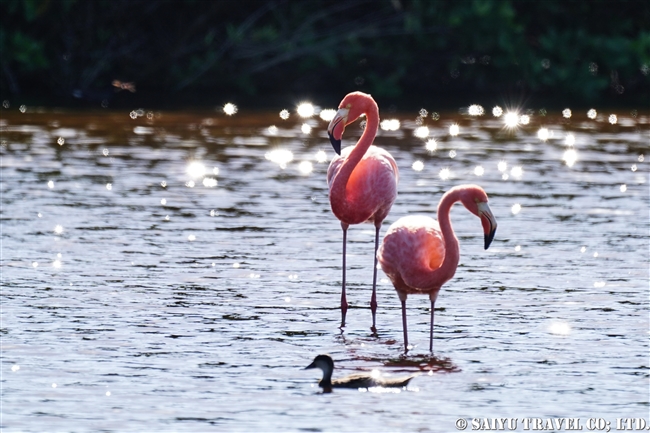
(359, 380)
(420, 254)
(362, 179)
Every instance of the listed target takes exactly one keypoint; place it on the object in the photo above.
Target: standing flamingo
(362, 179)
(420, 254)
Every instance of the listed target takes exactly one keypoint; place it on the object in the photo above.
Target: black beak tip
(488, 238)
(336, 144)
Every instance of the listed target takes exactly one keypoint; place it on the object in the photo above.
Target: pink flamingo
(362, 179)
(420, 254)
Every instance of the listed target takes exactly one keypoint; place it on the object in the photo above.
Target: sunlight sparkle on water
(479, 170)
(109, 186)
(15, 367)
(190, 184)
(633, 168)
(163, 184)
(640, 158)
(163, 201)
(566, 113)
(497, 111)
(592, 114)
(305, 109)
(105, 152)
(390, 124)
(61, 141)
(230, 108)
(518, 248)
(517, 172)
(284, 114)
(305, 167)
(327, 114)
(280, 156)
(421, 132)
(599, 284)
(50, 184)
(583, 249)
(321, 156)
(417, 166)
(511, 119)
(559, 328)
(475, 110)
(613, 119)
(34, 264)
(596, 254)
(305, 128)
(196, 169)
(524, 119)
(210, 182)
(502, 166)
(431, 145)
(273, 130)
(56, 264)
(444, 174)
(543, 134)
(570, 140)
(570, 157)
(191, 238)
(58, 229)
(454, 130)
(516, 208)
(623, 188)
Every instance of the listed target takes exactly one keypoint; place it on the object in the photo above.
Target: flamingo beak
(336, 128)
(488, 221)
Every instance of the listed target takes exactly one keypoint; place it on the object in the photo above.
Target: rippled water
(138, 296)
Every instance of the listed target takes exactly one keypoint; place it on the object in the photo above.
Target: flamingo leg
(433, 303)
(344, 302)
(373, 298)
(402, 297)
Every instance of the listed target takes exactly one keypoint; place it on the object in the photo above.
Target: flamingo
(420, 254)
(362, 180)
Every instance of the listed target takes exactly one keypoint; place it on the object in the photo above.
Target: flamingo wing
(371, 189)
(412, 248)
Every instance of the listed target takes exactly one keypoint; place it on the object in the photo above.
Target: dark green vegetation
(201, 52)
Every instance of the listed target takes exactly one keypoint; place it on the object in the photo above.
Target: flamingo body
(362, 179)
(422, 238)
(371, 189)
(420, 254)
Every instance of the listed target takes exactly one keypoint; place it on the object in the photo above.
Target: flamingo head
(476, 201)
(353, 106)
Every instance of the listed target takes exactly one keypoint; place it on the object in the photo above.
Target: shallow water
(136, 300)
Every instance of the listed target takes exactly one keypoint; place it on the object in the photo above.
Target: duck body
(354, 381)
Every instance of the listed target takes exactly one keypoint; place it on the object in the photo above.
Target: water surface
(176, 271)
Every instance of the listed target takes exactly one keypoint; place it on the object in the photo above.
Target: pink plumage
(420, 254)
(362, 179)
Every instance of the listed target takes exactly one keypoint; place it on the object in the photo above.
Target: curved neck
(365, 141)
(436, 278)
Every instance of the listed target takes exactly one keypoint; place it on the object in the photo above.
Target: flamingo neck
(452, 250)
(354, 157)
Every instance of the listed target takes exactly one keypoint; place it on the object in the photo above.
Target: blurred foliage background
(204, 52)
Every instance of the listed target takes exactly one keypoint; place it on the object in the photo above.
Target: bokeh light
(327, 114)
(497, 111)
(230, 108)
(305, 109)
(196, 169)
(431, 145)
(417, 166)
(454, 129)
